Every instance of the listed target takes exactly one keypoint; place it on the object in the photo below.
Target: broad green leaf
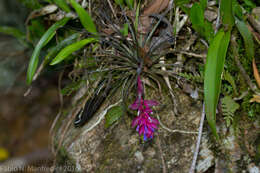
(113, 115)
(247, 37)
(212, 80)
(84, 17)
(226, 13)
(62, 4)
(42, 42)
(64, 53)
(199, 24)
(197, 16)
(12, 31)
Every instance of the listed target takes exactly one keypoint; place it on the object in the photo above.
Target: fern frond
(229, 107)
(192, 77)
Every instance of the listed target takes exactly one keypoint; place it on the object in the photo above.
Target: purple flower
(146, 124)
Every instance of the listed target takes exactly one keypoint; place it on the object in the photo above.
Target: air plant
(131, 58)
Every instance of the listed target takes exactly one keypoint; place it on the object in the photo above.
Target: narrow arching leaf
(84, 17)
(247, 37)
(55, 50)
(64, 53)
(62, 4)
(47, 36)
(213, 70)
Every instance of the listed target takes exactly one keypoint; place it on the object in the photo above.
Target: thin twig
(166, 78)
(194, 54)
(195, 156)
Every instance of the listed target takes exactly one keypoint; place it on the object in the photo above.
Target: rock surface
(94, 148)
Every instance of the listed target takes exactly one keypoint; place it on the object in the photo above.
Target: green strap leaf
(226, 13)
(213, 70)
(247, 37)
(63, 5)
(47, 36)
(84, 17)
(64, 53)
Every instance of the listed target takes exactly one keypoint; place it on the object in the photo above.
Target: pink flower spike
(146, 124)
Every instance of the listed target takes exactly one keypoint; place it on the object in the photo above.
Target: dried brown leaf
(155, 7)
(256, 98)
(48, 9)
(256, 73)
